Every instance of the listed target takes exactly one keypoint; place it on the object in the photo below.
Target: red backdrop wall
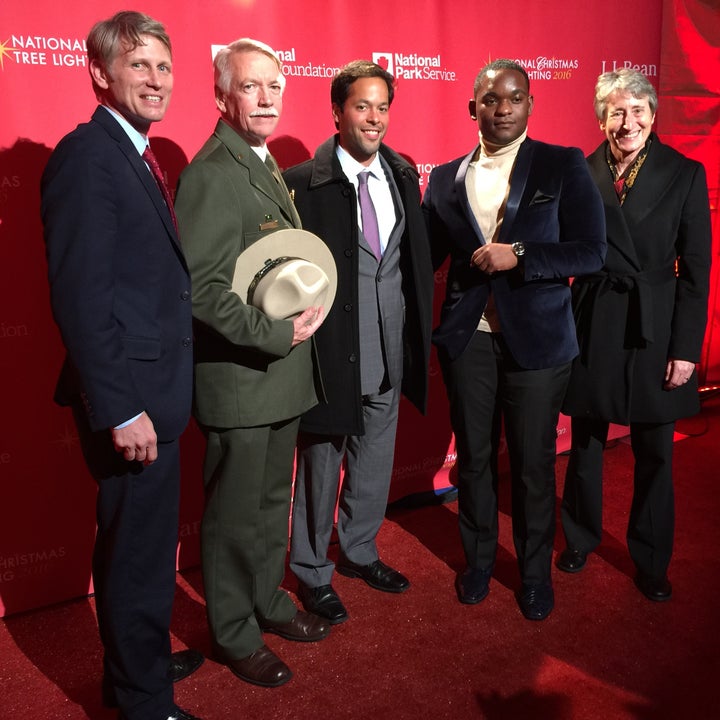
(434, 49)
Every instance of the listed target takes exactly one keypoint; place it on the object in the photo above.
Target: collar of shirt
(139, 140)
(491, 151)
(261, 152)
(379, 189)
(351, 167)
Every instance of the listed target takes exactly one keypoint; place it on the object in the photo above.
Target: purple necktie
(368, 215)
(149, 157)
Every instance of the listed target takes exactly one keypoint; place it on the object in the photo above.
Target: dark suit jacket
(638, 313)
(327, 204)
(246, 373)
(553, 208)
(120, 289)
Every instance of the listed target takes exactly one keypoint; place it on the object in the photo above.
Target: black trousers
(486, 386)
(134, 570)
(652, 514)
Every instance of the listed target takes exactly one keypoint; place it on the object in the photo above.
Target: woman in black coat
(640, 324)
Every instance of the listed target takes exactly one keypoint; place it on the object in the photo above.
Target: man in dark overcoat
(374, 343)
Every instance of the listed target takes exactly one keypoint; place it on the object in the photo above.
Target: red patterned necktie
(149, 157)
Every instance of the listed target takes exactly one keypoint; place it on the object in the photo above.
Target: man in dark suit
(377, 337)
(120, 293)
(254, 375)
(517, 218)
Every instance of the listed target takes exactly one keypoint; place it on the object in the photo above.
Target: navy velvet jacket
(555, 210)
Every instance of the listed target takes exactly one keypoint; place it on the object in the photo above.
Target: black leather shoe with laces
(473, 585)
(377, 575)
(323, 601)
(536, 601)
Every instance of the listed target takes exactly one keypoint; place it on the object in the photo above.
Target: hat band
(269, 265)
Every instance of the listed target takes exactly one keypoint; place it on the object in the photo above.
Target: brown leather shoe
(304, 627)
(263, 667)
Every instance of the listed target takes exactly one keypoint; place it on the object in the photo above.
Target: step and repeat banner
(434, 49)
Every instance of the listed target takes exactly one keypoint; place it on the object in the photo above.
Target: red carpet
(605, 652)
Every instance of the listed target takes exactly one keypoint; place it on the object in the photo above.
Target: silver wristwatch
(518, 248)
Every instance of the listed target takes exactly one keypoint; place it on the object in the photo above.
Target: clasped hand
(305, 325)
(494, 257)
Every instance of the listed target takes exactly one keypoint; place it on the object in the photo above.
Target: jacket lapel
(260, 176)
(115, 131)
(656, 174)
(399, 227)
(618, 232)
(461, 192)
(518, 181)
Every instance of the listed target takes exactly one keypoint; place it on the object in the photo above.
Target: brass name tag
(272, 225)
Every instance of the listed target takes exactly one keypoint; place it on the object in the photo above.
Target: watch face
(518, 248)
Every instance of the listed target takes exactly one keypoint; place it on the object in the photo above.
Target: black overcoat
(327, 203)
(649, 303)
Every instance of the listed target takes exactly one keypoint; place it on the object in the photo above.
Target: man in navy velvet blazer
(120, 293)
(518, 218)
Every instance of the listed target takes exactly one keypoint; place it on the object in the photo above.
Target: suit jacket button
(348, 252)
(347, 307)
(186, 342)
(352, 358)
(185, 295)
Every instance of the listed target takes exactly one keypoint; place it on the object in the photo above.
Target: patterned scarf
(627, 179)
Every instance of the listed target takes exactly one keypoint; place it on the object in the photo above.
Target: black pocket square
(540, 197)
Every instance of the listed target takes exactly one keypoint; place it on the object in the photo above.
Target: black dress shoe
(323, 601)
(571, 561)
(182, 715)
(178, 714)
(263, 667)
(473, 585)
(377, 575)
(536, 601)
(304, 627)
(183, 663)
(655, 589)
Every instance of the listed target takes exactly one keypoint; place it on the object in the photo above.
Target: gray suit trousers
(363, 495)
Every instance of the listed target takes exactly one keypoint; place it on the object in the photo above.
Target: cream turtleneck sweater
(487, 183)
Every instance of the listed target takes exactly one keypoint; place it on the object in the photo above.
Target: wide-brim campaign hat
(286, 272)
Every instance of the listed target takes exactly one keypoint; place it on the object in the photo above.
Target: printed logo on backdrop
(43, 50)
(425, 465)
(68, 440)
(22, 565)
(549, 68)
(413, 66)
(424, 169)
(647, 69)
(294, 68)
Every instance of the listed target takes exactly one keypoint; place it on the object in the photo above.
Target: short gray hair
(221, 64)
(623, 80)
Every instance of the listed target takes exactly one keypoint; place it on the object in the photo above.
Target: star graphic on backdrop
(68, 439)
(5, 49)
